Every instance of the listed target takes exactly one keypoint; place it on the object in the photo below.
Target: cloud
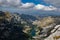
(14, 2)
(27, 5)
(10, 2)
(56, 3)
(46, 8)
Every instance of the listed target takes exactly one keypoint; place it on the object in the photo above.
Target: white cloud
(43, 7)
(13, 2)
(10, 2)
(27, 5)
(53, 2)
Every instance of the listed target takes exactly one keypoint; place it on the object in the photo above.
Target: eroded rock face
(55, 35)
(1, 16)
(11, 31)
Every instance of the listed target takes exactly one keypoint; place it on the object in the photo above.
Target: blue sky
(35, 2)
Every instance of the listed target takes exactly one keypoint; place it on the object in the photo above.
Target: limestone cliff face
(55, 35)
